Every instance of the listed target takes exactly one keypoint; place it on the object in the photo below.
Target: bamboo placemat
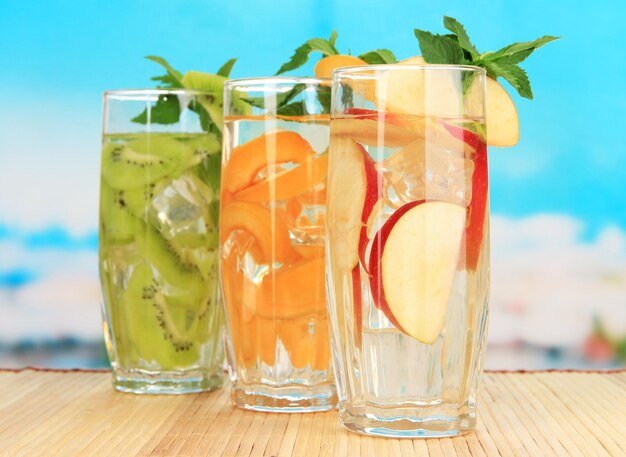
(77, 413)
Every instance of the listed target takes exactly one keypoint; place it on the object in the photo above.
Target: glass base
(138, 381)
(287, 399)
(409, 422)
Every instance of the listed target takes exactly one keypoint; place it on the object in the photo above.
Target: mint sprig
(378, 56)
(286, 106)
(440, 49)
(227, 68)
(167, 109)
(301, 54)
(456, 48)
(328, 48)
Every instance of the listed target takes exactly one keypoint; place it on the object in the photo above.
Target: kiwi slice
(138, 201)
(144, 160)
(154, 331)
(205, 259)
(168, 261)
(125, 168)
(117, 224)
(204, 145)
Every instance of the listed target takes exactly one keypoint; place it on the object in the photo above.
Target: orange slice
(270, 232)
(324, 68)
(294, 291)
(287, 183)
(248, 159)
(309, 251)
(305, 348)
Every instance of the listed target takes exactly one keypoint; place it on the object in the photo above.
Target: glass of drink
(408, 247)
(158, 251)
(272, 231)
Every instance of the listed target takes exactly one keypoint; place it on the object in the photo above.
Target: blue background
(60, 55)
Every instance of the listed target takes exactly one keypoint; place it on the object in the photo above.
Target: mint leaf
(174, 75)
(210, 171)
(514, 75)
(333, 37)
(165, 111)
(378, 56)
(322, 45)
(439, 49)
(293, 109)
(257, 102)
(515, 58)
(281, 99)
(457, 48)
(167, 81)
(467, 78)
(463, 38)
(347, 96)
(227, 68)
(516, 48)
(205, 120)
(285, 106)
(299, 58)
(285, 98)
(518, 78)
(301, 54)
(324, 95)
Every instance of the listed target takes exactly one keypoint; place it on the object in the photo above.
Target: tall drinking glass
(158, 241)
(408, 247)
(272, 230)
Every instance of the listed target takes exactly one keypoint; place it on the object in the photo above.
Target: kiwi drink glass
(158, 242)
(408, 247)
(272, 230)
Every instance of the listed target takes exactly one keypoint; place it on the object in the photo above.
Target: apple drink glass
(272, 231)
(408, 247)
(158, 241)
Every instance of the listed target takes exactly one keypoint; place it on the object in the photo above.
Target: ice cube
(306, 216)
(181, 209)
(424, 170)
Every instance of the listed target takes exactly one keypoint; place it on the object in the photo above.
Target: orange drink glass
(272, 232)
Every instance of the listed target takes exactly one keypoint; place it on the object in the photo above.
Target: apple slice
(357, 303)
(475, 226)
(418, 92)
(354, 186)
(423, 93)
(501, 116)
(376, 128)
(412, 265)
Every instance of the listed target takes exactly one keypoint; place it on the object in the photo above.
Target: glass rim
(136, 93)
(398, 66)
(261, 81)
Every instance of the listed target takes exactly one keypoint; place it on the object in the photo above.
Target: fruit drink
(272, 232)
(408, 248)
(158, 257)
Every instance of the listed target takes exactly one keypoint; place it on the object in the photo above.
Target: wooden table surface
(77, 413)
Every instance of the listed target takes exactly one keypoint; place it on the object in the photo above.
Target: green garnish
(327, 48)
(167, 109)
(456, 48)
(286, 107)
(378, 56)
(209, 108)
